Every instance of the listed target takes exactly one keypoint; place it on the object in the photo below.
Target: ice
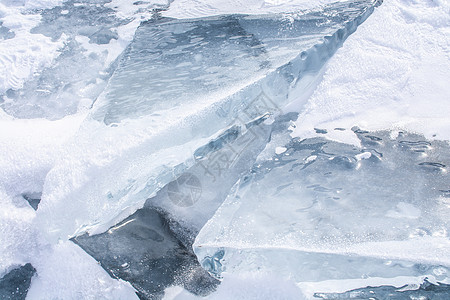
(15, 284)
(192, 198)
(143, 251)
(325, 210)
(180, 151)
(190, 61)
(49, 77)
(66, 86)
(426, 290)
(206, 8)
(179, 85)
(152, 249)
(391, 74)
(65, 271)
(22, 54)
(5, 32)
(250, 286)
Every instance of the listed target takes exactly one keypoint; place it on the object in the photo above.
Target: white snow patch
(65, 271)
(29, 150)
(280, 150)
(364, 155)
(16, 232)
(392, 73)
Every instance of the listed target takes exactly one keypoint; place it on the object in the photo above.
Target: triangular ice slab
(318, 210)
(179, 84)
(180, 63)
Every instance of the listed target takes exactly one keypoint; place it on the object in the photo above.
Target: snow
(65, 271)
(29, 150)
(279, 150)
(393, 73)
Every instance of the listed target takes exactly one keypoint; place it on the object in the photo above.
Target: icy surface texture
(205, 8)
(89, 35)
(183, 62)
(138, 138)
(322, 210)
(5, 32)
(60, 88)
(426, 290)
(21, 52)
(15, 284)
(143, 251)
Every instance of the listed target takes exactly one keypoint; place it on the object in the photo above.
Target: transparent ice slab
(192, 199)
(152, 249)
(179, 85)
(321, 210)
(178, 63)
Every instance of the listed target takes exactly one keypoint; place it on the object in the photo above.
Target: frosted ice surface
(179, 84)
(326, 210)
(5, 32)
(89, 37)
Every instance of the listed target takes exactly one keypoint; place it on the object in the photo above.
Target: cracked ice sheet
(392, 73)
(38, 32)
(25, 53)
(140, 153)
(201, 8)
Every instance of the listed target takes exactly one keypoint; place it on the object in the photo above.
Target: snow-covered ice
(393, 73)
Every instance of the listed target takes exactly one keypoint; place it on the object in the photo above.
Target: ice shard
(178, 86)
(319, 210)
(192, 199)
